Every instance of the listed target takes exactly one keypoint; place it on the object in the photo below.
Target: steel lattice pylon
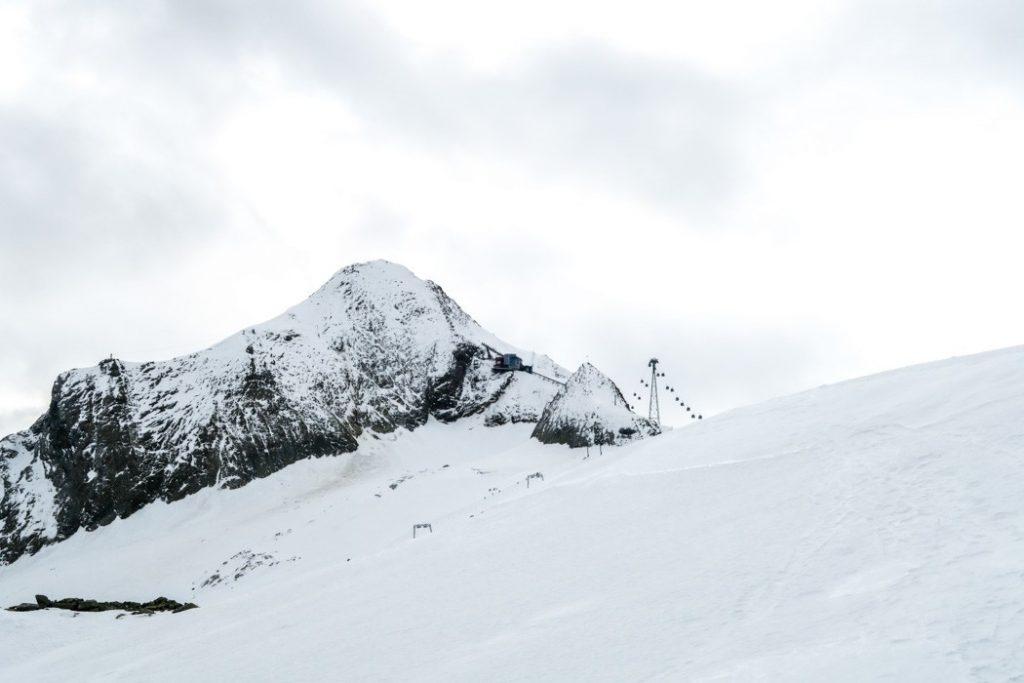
(653, 409)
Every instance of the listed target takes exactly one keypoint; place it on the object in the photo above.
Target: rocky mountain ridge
(373, 350)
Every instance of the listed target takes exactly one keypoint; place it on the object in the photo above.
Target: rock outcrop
(588, 411)
(161, 604)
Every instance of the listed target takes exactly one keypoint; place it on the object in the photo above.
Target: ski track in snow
(870, 530)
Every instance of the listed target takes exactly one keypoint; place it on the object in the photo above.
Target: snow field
(870, 530)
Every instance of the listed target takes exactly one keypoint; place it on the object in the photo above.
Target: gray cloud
(71, 204)
(654, 127)
(16, 420)
(980, 36)
(943, 46)
(105, 180)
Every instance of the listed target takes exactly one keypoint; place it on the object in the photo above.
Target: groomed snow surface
(870, 530)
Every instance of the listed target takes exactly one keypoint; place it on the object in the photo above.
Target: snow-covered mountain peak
(374, 349)
(377, 277)
(590, 381)
(590, 409)
(382, 285)
(381, 296)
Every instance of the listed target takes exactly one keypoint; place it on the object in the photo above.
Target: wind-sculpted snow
(374, 349)
(590, 410)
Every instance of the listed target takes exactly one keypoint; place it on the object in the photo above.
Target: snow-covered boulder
(590, 410)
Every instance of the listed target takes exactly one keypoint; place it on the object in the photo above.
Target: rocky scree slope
(588, 411)
(372, 350)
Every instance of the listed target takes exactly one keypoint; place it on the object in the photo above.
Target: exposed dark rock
(161, 604)
(24, 607)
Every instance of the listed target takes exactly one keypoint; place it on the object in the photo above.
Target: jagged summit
(374, 349)
(590, 410)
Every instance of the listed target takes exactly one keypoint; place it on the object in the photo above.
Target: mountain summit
(373, 350)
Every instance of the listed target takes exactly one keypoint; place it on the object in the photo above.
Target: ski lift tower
(653, 409)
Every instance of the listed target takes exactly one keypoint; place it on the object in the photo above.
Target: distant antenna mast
(653, 409)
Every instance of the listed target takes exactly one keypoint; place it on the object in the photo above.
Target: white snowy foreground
(871, 530)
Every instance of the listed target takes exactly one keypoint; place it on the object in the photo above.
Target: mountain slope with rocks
(590, 410)
(871, 530)
(373, 350)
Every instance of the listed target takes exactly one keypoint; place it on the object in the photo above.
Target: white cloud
(766, 196)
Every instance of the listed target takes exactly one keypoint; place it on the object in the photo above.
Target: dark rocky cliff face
(374, 350)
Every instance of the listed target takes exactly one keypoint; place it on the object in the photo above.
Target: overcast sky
(766, 196)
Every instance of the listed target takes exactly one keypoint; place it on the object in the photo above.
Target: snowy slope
(872, 530)
(375, 349)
